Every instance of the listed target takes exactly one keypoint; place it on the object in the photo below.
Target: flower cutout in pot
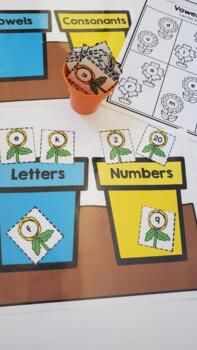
(167, 28)
(57, 141)
(190, 89)
(116, 141)
(157, 140)
(172, 105)
(129, 88)
(152, 72)
(35, 235)
(30, 230)
(157, 221)
(16, 139)
(86, 75)
(185, 54)
(147, 41)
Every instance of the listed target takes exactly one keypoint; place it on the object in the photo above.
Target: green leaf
(44, 236)
(100, 81)
(124, 151)
(93, 87)
(36, 246)
(51, 153)
(149, 235)
(24, 150)
(63, 153)
(159, 152)
(113, 153)
(11, 152)
(163, 236)
(148, 148)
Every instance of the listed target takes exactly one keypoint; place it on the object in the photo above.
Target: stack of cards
(93, 69)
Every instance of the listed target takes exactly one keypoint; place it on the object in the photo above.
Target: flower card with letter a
(17, 145)
(57, 146)
(156, 145)
(35, 235)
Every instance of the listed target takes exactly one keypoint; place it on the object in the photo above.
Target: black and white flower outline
(152, 72)
(172, 105)
(129, 88)
(167, 28)
(189, 85)
(185, 54)
(147, 41)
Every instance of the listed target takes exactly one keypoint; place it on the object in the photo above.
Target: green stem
(17, 156)
(56, 156)
(43, 244)
(119, 157)
(151, 153)
(155, 241)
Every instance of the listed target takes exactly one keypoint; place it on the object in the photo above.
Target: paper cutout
(93, 69)
(90, 77)
(157, 229)
(57, 146)
(17, 145)
(117, 146)
(156, 145)
(35, 235)
(166, 42)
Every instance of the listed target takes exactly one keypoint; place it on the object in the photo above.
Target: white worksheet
(159, 63)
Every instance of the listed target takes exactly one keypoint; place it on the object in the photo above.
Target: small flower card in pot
(90, 73)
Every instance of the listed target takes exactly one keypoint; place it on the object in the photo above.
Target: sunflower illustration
(116, 140)
(57, 141)
(158, 221)
(16, 139)
(87, 76)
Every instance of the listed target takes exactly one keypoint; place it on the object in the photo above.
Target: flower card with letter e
(117, 146)
(35, 235)
(57, 146)
(156, 145)
(17, 145)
